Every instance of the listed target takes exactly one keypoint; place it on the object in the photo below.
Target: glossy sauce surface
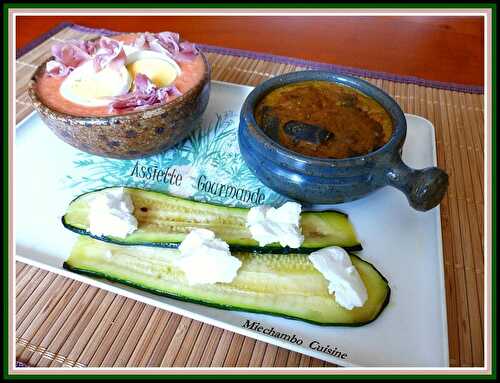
(324, 119)
(47, 87)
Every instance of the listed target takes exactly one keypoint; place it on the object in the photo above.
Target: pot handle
(424, 188)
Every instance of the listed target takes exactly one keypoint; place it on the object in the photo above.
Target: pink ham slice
(56, 69)
(109, 52)
(167, 43)
(71, 54)
(187, 52)
(145, 94)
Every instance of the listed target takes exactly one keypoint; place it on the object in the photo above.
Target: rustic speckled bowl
(129, 135)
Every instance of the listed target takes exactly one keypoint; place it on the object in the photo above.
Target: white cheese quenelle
(344, 280)
(160, 69)
(282, 225)
(206, 259)
(112, 213)
(85, 86)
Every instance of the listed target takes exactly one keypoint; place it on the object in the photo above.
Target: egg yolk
(160, 72)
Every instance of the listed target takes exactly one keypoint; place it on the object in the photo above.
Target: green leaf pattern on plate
(211, 150)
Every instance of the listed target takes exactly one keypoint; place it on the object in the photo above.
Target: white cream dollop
(112, 214)
(206, 259)
(344, 280)
(269, 225)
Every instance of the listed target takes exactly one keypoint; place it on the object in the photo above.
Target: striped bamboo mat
(61, 322)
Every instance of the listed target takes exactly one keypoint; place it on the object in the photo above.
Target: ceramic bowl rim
(118, 118)
(399, 120)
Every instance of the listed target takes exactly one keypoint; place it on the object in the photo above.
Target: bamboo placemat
(61, 322)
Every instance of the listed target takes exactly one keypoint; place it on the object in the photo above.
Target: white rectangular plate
(405, 245)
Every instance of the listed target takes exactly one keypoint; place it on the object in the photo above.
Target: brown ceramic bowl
(130, 135)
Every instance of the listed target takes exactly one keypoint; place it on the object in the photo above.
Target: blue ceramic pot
(326, 181)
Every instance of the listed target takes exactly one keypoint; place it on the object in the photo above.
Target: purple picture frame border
(277, 59)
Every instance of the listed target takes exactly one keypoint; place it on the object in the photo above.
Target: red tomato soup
(47, 87)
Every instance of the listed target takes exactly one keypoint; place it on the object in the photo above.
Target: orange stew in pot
(324, 119)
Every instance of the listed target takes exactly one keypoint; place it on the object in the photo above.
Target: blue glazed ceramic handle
(424, 188)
